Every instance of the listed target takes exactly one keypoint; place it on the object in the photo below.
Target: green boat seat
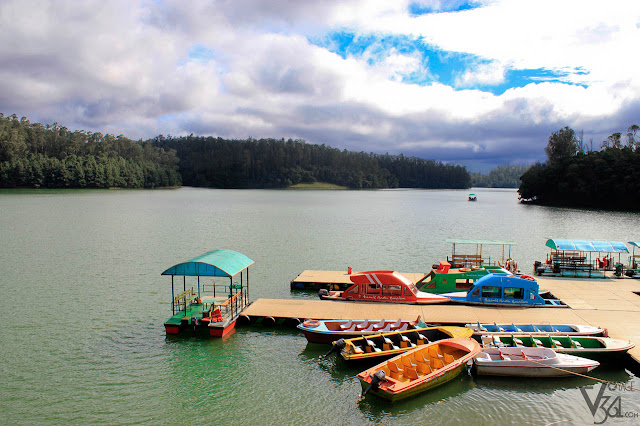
(575, 344)
(556, 343)
(518, 342)
(537, 342)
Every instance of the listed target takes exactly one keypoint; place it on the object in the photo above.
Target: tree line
(576, 176)
(51, 156)
(503, 176)
(276, 163)
(34, 155)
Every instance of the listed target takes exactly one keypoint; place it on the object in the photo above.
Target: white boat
(530, 362)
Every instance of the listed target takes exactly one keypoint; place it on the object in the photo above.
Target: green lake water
(83, 304)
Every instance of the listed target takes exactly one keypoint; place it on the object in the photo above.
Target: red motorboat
(382, 286)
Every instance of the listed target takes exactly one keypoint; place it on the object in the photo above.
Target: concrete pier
(611, 303)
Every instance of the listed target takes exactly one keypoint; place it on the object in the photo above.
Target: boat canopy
(216, 263)
(635, 243)
(482, 242)
(585, 245)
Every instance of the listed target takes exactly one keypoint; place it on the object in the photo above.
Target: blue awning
(216, 263)
(587, 245)
(635, 243)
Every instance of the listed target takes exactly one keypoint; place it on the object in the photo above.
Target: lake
(84, 304)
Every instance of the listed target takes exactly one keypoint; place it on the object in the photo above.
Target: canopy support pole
(173, 308)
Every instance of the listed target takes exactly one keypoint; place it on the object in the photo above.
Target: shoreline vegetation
(577, 176)
(38, 156)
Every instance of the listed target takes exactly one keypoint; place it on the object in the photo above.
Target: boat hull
(433, 383)
(350, 354)
(602, 349)
(484, 329)
(324, 332)
(222, 329)
(530, 362)
(420, 369)
(522, 371)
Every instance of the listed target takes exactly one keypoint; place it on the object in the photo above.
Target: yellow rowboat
(419, 370)
(390, 344)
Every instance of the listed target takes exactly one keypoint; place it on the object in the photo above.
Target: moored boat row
(416, 360)
(492, 287)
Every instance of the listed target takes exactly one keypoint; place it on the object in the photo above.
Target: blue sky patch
(417, 8)
(437, 66)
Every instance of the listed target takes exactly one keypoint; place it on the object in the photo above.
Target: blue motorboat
(505, 290)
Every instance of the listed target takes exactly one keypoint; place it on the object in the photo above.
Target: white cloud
(124, 67)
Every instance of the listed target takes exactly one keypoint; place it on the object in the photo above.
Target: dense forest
(273, 163)
(500, 177)
(574, 176)
(34, 155)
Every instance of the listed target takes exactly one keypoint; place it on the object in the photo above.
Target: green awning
(483, 242)
(216, 263)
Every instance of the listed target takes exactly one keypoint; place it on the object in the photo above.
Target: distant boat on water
(472, 197)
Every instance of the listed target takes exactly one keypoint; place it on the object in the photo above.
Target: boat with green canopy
(214, 306)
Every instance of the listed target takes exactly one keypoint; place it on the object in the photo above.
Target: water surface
(84, 304)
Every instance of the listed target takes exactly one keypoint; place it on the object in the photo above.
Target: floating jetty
(611, 303)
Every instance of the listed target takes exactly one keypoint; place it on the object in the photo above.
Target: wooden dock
(333, 280)
(610, 303)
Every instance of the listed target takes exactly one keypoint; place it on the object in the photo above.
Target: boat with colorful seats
(530, 362)
(481, 329)
(382, 286)
(445, 279)
(317, 331)
(418, 370)
(505, 290)
(592, 347)
(378, 346)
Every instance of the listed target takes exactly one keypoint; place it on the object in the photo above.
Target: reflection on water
(84, 304)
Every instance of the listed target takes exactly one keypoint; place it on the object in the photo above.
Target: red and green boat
(222, 293)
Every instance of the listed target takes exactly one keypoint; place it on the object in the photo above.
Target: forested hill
(34, 155)
(574, 176)
(273, 163)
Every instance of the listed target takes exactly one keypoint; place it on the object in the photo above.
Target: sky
(476, 83)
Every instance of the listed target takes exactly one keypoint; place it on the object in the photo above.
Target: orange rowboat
(419, 370)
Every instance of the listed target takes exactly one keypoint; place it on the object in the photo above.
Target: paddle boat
(505, 290)
(530, 362)
(418, 370)
(472, 197)
(390, 344)
(445, 279)
(481, 329)
(317, 331)
(598, 348)
(382, 286)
